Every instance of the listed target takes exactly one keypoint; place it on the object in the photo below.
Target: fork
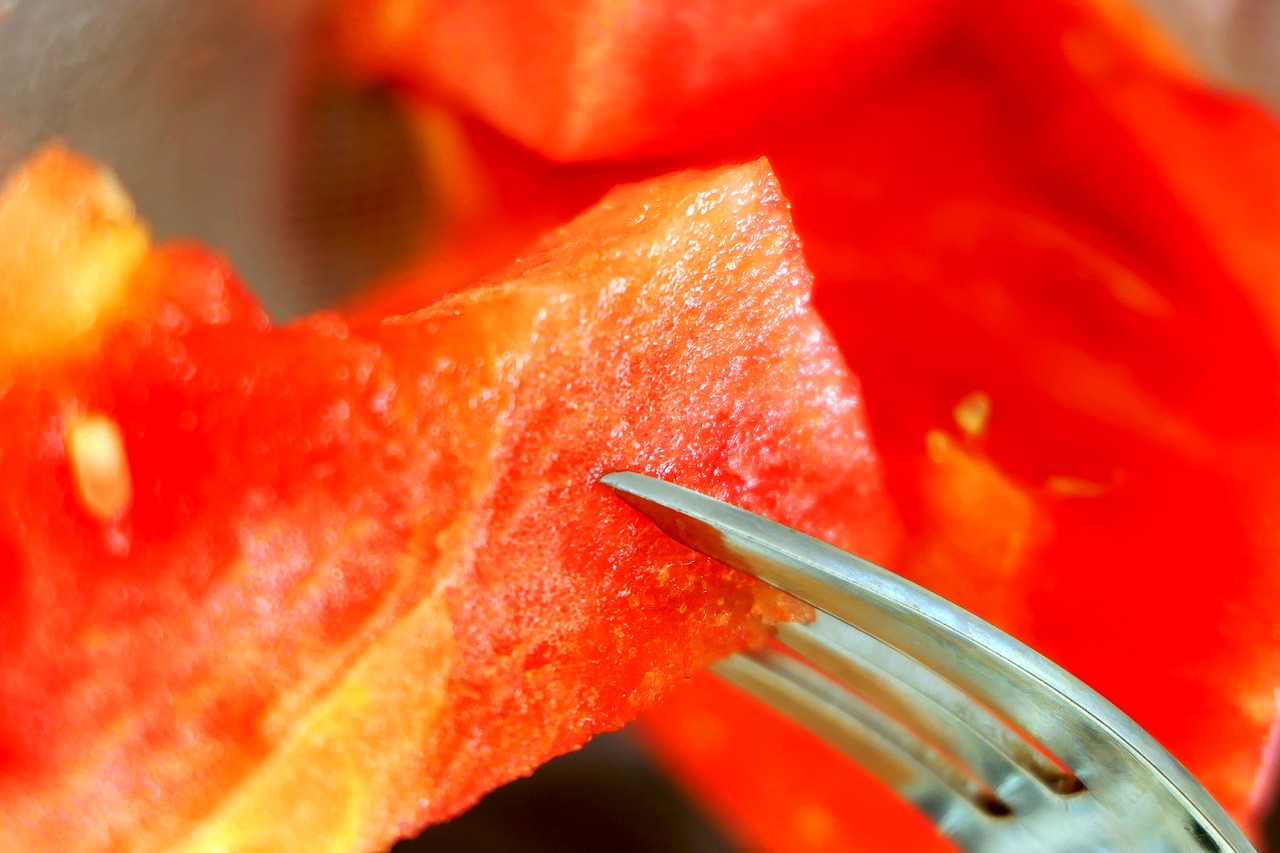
(1003, 750)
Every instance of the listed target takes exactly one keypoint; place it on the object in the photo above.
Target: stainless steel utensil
(1002, 749)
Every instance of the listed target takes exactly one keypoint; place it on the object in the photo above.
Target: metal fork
(1002, 749)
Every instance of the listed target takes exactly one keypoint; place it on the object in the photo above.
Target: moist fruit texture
(330, 581)
(1047, 249)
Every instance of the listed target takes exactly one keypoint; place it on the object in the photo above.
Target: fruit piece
(361, 572)
(1185, 178)
(596, 79)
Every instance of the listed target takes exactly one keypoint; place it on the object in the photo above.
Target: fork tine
(1123, 767)
(891, 752)
(1019, 775)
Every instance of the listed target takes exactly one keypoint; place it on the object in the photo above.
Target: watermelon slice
(326, 583)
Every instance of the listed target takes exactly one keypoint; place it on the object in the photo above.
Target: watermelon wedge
(324, 583)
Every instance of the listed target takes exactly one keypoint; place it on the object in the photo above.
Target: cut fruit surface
(337, 579)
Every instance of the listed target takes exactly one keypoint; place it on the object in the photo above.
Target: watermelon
(1047, 249)
(598, 79)
(328, 582)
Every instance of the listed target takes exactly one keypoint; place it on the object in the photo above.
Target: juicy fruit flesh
(362, 573)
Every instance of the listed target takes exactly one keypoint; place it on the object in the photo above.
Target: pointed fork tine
(1124, 769)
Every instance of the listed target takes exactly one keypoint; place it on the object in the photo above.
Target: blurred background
(201, 108)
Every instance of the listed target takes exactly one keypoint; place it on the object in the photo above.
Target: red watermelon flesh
(1135, 406)
(599, 79)
(1178, 170)
(334, 580)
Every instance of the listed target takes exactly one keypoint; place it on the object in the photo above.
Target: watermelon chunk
(1074, 272)
(335, 580)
